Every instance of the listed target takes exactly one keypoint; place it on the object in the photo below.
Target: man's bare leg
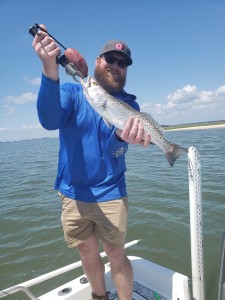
(93, 265)
(122, 272)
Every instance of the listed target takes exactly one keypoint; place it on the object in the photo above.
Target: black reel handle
(33, 30)
(77, 66)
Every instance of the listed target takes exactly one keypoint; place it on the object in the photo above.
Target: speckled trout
(116, 112)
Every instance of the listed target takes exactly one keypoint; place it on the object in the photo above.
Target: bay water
(31, 236)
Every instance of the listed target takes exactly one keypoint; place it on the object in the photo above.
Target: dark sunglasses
(111, 59)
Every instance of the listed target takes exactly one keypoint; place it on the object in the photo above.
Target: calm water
(31, 237)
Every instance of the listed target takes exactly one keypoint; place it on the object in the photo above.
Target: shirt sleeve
(114, 147)
(55, 103)
(48, 104)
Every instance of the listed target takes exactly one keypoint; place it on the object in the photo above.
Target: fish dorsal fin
(154, 123)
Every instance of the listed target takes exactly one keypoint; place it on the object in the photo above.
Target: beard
(112, 83)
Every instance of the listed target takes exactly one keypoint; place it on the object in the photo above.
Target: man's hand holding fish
(134, 133)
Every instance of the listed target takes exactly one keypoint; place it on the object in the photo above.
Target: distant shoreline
(200, 127)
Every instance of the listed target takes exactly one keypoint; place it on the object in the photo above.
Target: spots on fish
(117, 113)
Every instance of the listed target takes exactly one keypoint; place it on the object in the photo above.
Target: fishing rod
(73, 62)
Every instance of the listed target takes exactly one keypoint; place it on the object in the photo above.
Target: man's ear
(97, 60)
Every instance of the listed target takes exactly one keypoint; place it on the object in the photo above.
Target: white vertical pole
(195, 203)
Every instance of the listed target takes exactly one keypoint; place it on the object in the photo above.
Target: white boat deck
(151, 282)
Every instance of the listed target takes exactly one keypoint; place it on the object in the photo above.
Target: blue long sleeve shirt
(91, 164)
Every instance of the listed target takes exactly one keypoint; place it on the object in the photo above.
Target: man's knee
(88, 247)
(115, 254)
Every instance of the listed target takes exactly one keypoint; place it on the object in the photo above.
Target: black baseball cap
(119, 47)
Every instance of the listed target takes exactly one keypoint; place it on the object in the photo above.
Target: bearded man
(91, 167)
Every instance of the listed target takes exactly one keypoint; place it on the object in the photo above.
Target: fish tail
(174, 152)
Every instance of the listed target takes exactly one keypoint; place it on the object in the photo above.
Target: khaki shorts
(106, 220)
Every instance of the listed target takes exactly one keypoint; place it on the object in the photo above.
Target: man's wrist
(51, 72)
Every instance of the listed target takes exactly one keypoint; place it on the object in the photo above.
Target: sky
(177, 46)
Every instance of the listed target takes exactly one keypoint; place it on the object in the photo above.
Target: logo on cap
(120, 46)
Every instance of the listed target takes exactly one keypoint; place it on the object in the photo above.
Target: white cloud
(3, 129)
(28, 127)
(21, 99)
(10, 102)
(188, 104)
(25, 127)
(187, 93)
(35, 81)
(9, 109)
(34, 131)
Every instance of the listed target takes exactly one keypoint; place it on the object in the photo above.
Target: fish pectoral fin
(107, 123)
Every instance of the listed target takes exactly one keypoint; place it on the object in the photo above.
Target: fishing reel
(73, 62)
